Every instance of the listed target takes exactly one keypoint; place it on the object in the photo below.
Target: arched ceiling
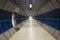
(22, 6)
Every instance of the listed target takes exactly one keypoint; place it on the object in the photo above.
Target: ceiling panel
(22, 6)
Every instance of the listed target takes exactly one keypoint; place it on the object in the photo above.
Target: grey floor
(31, 30)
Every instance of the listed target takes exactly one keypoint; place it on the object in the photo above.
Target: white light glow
(30, 5)
(30, 11)
(30, 18)
(13, 23)
(31, 27)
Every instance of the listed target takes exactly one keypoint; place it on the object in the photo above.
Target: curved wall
(6, 28)
(50, 21)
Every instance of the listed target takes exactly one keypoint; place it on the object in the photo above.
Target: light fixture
(30, 5)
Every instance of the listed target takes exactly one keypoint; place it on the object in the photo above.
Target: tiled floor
(32, 31)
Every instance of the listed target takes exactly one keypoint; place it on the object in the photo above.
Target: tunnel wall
(50, 21)
(6, 28)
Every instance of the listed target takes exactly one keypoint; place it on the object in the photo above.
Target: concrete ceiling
(22, 6)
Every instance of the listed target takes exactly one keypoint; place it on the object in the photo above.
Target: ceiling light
(30, 5)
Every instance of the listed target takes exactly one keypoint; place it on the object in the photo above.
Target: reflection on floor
(32, 31)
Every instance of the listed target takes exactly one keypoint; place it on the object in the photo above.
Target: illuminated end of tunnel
(30, 17)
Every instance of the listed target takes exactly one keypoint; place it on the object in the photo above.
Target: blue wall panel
(5, 15)
(20, 18)
(51, 18)
(5, 20)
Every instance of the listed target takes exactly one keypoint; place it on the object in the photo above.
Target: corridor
(29, 19)
(31, 30)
